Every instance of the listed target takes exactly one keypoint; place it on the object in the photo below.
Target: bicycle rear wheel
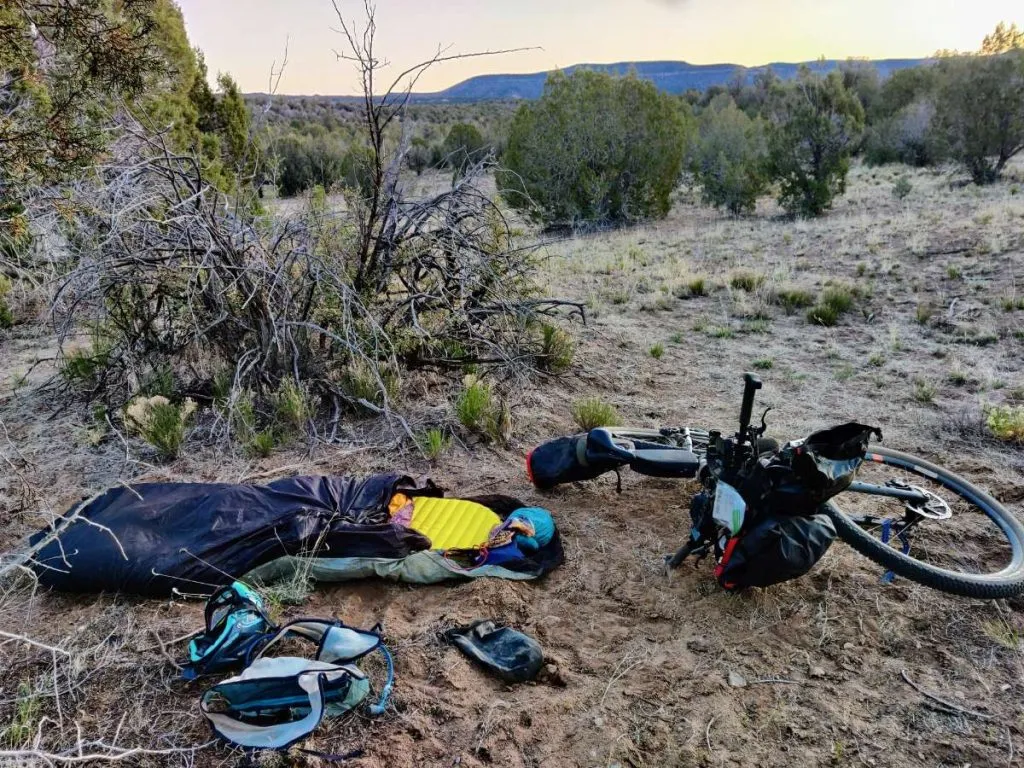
(961, 541)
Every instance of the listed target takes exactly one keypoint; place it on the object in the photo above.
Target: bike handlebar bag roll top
(806, 473)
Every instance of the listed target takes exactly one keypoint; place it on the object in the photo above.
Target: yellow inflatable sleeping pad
(453, 523)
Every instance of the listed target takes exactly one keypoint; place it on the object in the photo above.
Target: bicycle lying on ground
(768, 512)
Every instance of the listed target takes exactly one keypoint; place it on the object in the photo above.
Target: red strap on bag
(726, 554)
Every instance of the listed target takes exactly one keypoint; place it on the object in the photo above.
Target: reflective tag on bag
(730, 509)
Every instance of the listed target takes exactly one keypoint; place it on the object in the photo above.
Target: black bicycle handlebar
(750, 385)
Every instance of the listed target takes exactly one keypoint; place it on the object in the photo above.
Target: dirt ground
(651, 669)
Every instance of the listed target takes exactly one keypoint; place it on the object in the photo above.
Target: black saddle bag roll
(566, 460)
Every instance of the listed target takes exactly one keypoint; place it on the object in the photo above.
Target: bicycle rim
(975, 551)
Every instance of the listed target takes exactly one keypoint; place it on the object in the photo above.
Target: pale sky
(245, 37)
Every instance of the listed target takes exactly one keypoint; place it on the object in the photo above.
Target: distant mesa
(670, 76)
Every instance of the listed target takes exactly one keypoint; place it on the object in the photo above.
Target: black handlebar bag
(826, 462)
(787, 535)
(806, 473)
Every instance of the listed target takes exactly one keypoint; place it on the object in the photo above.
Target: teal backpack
(276, 701)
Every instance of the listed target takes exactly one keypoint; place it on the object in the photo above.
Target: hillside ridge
(670, 76)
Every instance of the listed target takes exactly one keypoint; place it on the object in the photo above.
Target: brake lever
(764, 422)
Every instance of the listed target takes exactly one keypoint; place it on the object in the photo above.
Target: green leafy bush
(902, 188)
(815, 125)
(160, 423)
(728, 157)
(419, 157)
(1006, 422)
(594, 149)
(979, 111)
(592, 412)
(463, 145)
(657, 351)
(905, 137)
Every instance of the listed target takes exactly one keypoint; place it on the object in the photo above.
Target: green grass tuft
(557, 349)
(833, 304)
(746, 281)
(291, 406)
(432, 443)
(924, 392)
(261, 444)
(592, 412)
(22, 727)
(474, 406)
(793, 299)
(160, 423)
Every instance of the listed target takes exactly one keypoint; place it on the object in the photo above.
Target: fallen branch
(36, 643)
(21, 559)
(942, 701)
(114, 755)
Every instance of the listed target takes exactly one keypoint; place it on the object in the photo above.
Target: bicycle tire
(1002, 584)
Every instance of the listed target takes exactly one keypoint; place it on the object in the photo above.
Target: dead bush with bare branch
(175, 287)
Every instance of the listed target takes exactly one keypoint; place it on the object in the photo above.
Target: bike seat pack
(584, 457)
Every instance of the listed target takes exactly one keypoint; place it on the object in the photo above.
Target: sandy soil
(650, 669)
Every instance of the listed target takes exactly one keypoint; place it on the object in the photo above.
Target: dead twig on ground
(36, 643)
(944, 702)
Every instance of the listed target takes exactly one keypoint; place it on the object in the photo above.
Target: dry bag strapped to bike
(782, 536)
(568, 460)
(773, 550)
